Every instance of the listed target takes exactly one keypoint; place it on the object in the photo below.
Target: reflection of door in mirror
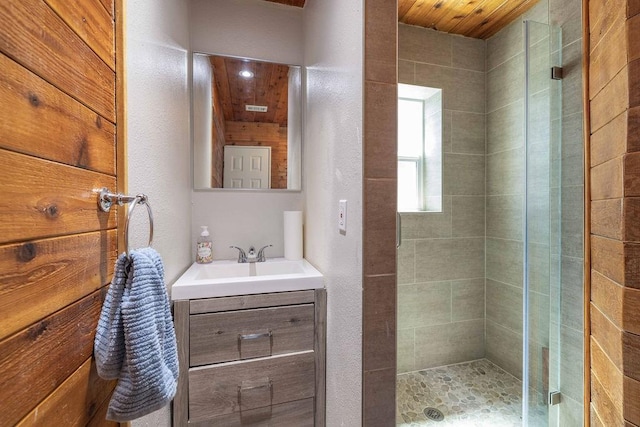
(245, 103)
(247, 167)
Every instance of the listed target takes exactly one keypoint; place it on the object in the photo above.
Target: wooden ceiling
(268, 87)
(472, 18)
(479, 19)
(297, 3)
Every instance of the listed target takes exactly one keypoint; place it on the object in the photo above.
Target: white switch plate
(342, 215)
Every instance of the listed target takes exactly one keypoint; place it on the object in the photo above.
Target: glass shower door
(542, 223)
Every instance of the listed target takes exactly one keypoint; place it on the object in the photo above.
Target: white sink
(225, 278)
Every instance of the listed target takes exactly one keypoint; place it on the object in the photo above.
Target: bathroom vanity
(252, 359)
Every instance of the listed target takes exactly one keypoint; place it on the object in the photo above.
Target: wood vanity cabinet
(251, 360)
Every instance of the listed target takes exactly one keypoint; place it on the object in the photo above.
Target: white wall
(333, 171)
(247, 28)
(158, 152)
(253, 29)
(202, 119)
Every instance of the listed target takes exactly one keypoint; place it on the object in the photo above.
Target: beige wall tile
(464, 175)
(539, 256)
(379, 320)
(381, 124)
(454, 343)
(504, 45)
(467, 132)
(504, 216)
(468, 216)
(504, 305)
(407, 262)
(571, 308)
(505, 84)
(424, 304)
(406, 72)
(468, 53)
(467, 299)
(505, 173)
(379, 223)
(449, 259)
(406, 358)
(504, 348)
(380, 39)
(504, 127)
(423, 45)
(504, 261)
(379, 396)
(427, 225)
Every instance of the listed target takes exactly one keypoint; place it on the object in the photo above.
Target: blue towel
(135, 339)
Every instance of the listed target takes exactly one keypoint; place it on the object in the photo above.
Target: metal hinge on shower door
(554, 398)
(557, 73)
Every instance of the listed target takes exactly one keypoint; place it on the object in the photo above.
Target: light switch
(342, 216)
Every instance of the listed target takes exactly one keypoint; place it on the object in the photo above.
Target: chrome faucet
(251, 255)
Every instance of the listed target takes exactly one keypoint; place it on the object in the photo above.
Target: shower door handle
(398, 230)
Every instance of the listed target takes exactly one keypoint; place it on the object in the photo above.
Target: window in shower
(419, 149)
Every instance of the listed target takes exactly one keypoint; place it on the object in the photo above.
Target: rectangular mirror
(247, 124)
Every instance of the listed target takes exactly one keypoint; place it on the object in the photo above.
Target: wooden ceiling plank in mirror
(296, 3)
(471, 18)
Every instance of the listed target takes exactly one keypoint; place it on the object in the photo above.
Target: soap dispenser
(204, 253)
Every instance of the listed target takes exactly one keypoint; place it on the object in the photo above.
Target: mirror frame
(300, 103)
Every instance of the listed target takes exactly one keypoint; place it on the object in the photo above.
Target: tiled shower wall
(442, 256)
(441, 263)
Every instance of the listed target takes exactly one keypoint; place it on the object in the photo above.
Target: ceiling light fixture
(246, 74)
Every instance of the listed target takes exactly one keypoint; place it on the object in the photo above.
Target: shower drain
(433, 414)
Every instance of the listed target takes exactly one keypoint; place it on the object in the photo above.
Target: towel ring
(140, 199)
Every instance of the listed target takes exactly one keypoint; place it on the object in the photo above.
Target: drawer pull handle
(255, 336)
(250, 398)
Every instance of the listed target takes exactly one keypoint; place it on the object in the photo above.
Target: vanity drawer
(238, 387)
(290, 414)
(247, 334)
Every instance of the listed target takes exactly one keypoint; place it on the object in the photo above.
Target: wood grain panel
(214, 337)
(631, 310)
(501, 22)
(631, 355)
(37, 38)
(75, 402)
(632, 264)
(632, 174)
(603, 16)
(633, 37)
(608, 336)
(608, 297)
(91, 21)
(56, 126)
(250, 301)
(42, 198)
(611, 101)
(607, 374)
(607, 412)
(37, 360)
(632, 400)
(631, 214)
(291, 414)
(296, 3)
(607, 180)
(606, 62)
(100, 418)
(109, 7)
(424, 13)
(320, 353)
(38, 278)
(633, 132)
(181, 400)
(253, 132)
(610, 141)
(213, 391)
(606, 218)
(607, 258)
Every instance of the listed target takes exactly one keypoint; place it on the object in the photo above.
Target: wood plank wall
(265, 135)
(614, 101)
(58, 142)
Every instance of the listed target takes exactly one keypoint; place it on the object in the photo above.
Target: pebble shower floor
(471, 394)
